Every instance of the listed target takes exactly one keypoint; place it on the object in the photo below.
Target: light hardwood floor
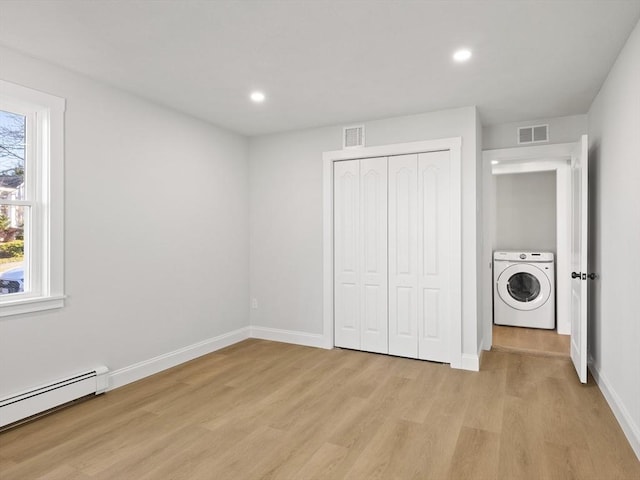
(263, 409)
(534, 341)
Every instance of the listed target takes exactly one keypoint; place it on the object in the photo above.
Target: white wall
(526, 211)
(286, 216)
(561, 130)
(614, 202)
(156, 234)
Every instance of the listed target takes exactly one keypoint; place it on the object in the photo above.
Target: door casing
(536, 158)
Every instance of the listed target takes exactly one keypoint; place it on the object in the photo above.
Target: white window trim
(48, 224)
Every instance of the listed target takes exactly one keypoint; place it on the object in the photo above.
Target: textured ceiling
(331, 62)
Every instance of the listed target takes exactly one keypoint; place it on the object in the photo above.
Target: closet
(392, 255)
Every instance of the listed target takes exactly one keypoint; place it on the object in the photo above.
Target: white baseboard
(140, 370)
(143, 369)
(290, 336)
(630, 429)
(470, 362)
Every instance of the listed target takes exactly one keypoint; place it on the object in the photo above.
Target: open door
(579, 285)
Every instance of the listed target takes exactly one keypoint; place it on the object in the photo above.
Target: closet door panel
(433, 256)
(347, 281)
(373, 254)
(403, 255)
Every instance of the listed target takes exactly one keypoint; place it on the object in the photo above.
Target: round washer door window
(524, 286)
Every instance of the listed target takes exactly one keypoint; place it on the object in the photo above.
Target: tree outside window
(12, 185)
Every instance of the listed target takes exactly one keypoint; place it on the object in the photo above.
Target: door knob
(584, 276)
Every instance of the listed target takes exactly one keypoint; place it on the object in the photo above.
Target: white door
(373, 255)
(579, 286)
(434, 250)
(403, 255)
(347, 276)
(360, 259)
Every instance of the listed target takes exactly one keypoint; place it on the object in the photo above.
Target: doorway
(539, 179)
(570, 162)
(526, 222)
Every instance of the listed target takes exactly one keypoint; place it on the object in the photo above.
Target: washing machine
(524, 289)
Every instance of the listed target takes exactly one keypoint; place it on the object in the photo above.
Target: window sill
(28, 305)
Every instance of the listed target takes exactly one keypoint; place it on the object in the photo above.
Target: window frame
(44, 166)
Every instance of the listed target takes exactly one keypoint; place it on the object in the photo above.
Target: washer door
(524, 287)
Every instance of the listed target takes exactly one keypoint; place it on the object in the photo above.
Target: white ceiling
(332, 62)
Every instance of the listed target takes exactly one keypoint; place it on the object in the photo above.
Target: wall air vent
(353, 137)
(533, 134)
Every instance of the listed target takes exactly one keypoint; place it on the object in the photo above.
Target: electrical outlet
(254, 303)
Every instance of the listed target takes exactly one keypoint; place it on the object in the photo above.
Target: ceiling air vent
(353, 137)
(533, 134)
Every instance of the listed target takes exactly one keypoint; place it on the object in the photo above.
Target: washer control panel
(534, 257)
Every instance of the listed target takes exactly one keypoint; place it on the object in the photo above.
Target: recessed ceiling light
(257, 97)
(494, 162)
(462, 55)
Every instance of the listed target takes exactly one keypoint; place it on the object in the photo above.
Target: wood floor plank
(117, 445)
(34, 463)
(265, 410)
(249, 457)
(322, 463)
(485, 410)
(416, 399)
(561, 424)
(475, 455)
(521, 440)
(6, 464)
(304, 438)
(530, 340)
(398, 450)
(367, 422)
(569, 463)
(158, 453)
(64, 472)
(185, 455)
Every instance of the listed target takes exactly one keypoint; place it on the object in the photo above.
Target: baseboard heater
(45, 397)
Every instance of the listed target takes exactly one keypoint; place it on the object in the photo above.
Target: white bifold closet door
(360, 254)
(419, 255)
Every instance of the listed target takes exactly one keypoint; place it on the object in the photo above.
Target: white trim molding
(453, 145)
(44, 250)
(470, 362)
(535, 152)
(146, 368)
(629, 427)
(290, 336)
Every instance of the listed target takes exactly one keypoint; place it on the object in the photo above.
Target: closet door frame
(453, 145)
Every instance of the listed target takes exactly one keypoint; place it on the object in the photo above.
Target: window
(31, 193)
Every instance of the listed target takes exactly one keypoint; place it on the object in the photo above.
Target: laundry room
(525, 236)
(529, 209)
